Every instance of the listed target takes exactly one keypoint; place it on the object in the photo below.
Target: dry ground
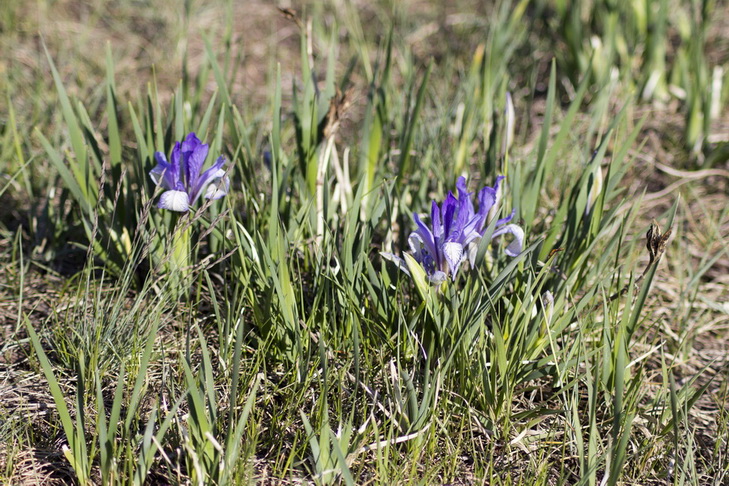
(151, 43)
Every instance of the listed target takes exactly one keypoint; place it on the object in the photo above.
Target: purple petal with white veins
(182, 175)
(472, 229)
(514, 248)
(456, 236)
(453, 253)
(174, 201)
(416, 244)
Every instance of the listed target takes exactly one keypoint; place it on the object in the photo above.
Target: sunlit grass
(281, 345)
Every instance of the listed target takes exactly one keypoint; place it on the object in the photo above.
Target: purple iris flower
(181, 179)
(455, 231)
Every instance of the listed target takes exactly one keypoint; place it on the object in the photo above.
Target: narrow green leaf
(78, 191)
(411, 125)
(217, 73)
(233, 440)
(136, 395)
(77, 451)
(81, 167)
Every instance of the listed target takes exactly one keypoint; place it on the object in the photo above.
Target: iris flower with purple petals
(456, 229)
(181, 179)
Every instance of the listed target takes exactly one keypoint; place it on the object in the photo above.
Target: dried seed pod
(656, 242)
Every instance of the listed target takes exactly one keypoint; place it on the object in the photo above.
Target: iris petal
(462, 219)
(464, 197)
(486, 201)
(453, 253)
(175, 158)
(174, 201)
(514, 248)
(435, 222)
(497, 199)
(195, 153)
(506, 219)
(426, 237)
(218, 189)
(164, 173)
(212, 174)
(472, 251)
(448, 213)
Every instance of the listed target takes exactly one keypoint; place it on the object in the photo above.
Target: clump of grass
(276, 343)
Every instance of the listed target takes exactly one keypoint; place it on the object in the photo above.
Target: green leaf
(76, 454)
(80, 166)
(410, 126)
(420, 278)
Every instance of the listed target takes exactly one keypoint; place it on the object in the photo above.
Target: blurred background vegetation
(291, 351)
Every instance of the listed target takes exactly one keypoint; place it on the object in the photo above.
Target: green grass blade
(136, 395)
(233, 441)
(77, 451)
(412, 124)
(80, 166)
